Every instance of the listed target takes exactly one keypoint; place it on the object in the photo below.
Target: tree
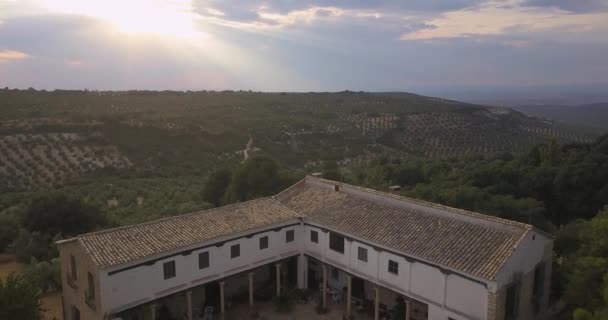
(331, 170)
(216, 186)
(34, 244)
(44, 275)
(59, 214)
(9, 227)
(258, 176)
(19, 299)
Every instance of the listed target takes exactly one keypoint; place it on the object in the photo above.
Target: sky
(302, 45)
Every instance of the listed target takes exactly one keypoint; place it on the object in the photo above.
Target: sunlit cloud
(503, 17)
(170, 18)
(11, 55)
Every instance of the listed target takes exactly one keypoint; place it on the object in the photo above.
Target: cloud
(11, 55)
(256, 13)
(580, 6)
(510, 17)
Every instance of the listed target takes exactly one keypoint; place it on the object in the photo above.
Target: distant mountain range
(590, 115)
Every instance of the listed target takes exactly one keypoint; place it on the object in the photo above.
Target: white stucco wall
(447, 293)
(131, 286)
(528, 254)
(464, 298)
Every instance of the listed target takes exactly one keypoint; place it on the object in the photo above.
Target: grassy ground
(50, 302)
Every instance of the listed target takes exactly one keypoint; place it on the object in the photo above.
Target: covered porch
(298, 287)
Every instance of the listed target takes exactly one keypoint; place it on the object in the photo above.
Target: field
(50, 302)
(63, 138)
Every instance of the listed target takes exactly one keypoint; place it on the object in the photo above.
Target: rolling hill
(59, 137)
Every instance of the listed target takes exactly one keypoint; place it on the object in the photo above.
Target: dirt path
(247, 149)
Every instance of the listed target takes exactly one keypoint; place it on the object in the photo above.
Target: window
(511, 304)
(74, 274)
(393, 267)
(335, 273)
(539, 275)
(289, 234)
(75, 313)
(362, 254)
(263, 243)
(203, 260)
(169, 269)
(336, 242)
(91, 288)
(314, 236)
(235, 251)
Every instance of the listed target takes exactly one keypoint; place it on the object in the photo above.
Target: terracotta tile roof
(117, 246)
(470, 242)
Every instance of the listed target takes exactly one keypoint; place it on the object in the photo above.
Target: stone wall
(74, 295)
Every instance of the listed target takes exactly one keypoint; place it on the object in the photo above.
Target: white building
(444, 263)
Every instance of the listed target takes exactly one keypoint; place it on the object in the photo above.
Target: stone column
(349, 296)
(251, 289)
(222, 298)
(189, 304)
(278, 266)
(377, 303)
(408, 309)
(302, 272)
(153, 311)
(324, 286)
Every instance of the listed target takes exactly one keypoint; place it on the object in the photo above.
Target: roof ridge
(429, 204)
(181, 216)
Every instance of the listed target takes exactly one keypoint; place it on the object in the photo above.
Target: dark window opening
(314, 236)
(263, 243)
(289, 236)
(91, 288)
(73, 270)
(169, 269)
(235, 251)
(75, 313)
(203, 260)
(362, 254)
(336, 242)
(511, 304)
(539, 275)
(393, 267)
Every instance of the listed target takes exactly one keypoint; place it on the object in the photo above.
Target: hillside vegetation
(65, 137)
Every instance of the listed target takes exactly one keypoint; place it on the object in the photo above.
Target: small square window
(393, 267)
(289, 235)
(362, 254)
(263, 243)
(169, 269)
(235, 251)
(203, 260)
(314, 236)
(336, 242)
